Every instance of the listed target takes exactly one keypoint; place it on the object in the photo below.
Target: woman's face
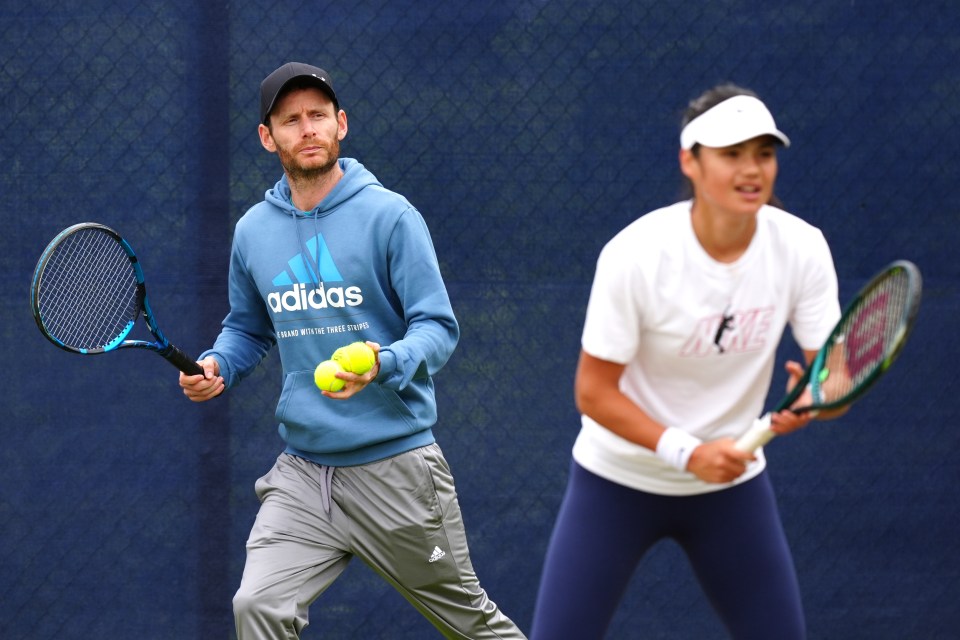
(738, 179)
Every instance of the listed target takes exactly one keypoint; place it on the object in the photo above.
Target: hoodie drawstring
(305, 247)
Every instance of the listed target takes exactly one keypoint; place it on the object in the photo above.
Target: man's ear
(266, 139)
(341, 125)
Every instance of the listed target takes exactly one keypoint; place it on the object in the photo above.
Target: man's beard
(296, 172)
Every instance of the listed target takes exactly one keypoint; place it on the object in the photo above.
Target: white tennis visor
(733, 121)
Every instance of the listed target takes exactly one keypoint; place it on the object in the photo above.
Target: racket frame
(161, 346)
(760, 433)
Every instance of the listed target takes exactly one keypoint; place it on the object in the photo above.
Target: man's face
(305, 132)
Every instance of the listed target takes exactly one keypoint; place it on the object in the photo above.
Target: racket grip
(756, 436)
(181, 361)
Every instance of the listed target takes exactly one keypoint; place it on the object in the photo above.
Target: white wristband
(676, 446)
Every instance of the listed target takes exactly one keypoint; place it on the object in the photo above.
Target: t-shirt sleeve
(614, 311)
(817, 308)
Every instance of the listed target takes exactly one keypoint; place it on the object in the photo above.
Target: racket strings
(868, 337)
(87, 293)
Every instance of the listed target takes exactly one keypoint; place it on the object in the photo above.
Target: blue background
(527, 133)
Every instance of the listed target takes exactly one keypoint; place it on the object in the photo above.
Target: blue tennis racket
(88, 291)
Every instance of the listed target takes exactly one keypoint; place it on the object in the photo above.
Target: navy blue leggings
(733, 539)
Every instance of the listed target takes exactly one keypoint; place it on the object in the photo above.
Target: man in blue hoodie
(329, 258)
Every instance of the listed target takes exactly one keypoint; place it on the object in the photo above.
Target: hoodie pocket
(313, 422)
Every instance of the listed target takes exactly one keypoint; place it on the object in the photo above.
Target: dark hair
(700, 105)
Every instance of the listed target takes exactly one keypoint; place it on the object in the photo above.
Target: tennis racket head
(870, 335)
(87, 289)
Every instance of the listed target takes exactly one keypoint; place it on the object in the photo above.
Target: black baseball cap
(273, 85)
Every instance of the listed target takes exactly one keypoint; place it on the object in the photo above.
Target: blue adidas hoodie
(379, 280)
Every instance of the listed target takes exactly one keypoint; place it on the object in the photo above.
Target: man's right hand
(200, 388)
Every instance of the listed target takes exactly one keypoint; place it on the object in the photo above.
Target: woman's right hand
(719, 461)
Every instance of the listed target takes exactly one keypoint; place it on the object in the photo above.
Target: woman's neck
(725, 237)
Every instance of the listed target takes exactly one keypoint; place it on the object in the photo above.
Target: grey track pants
(399, 515)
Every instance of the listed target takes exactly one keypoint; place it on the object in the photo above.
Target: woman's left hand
(787, 421)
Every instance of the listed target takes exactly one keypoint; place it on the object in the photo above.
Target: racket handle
(181, 361)
(757, 435)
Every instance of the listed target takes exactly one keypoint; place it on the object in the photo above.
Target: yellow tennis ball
(356, 357)
(325, 376)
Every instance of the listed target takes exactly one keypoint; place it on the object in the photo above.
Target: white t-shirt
(699, 337)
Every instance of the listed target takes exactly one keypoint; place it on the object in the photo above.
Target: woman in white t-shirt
(687, 309)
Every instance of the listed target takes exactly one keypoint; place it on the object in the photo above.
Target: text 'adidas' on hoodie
(360, 266)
